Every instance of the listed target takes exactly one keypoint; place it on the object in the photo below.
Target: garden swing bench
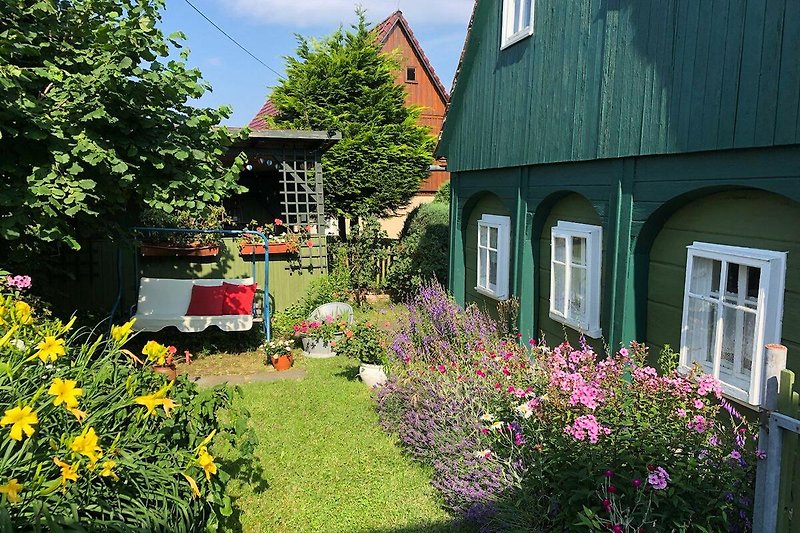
(165, 302)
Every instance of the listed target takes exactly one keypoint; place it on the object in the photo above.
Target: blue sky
(267, 28)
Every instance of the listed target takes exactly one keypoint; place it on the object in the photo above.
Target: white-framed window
(517, 21)
(732, 307)
(575, 268)
(494, 256)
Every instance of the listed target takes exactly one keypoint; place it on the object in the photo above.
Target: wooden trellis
(304, 204)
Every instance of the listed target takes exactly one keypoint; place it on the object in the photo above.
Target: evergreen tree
(345, 83)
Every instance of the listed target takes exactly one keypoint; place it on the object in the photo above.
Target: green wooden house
(630, 169)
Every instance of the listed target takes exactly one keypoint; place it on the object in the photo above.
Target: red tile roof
(382, 30)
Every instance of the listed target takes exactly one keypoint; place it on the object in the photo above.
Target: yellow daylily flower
(77, 413)
(155, 352)
(23, 312)
(108, 471)
(206, 462)
(66, 392)
(7, 337)
(66, 327)
(68, 472)
(11, 490)
(86, 444)
(151, 401)
(120, 333)
(21, 419)
(193, 484)
(50, 349)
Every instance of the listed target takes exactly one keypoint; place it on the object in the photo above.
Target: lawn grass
(325, 465)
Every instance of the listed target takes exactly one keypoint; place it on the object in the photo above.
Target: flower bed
(93, 439)
(538, 439)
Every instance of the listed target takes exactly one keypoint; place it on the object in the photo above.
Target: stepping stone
(259, 377)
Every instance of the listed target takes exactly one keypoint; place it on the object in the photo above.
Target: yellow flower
(120, 333)
(155, 352)
(21, 419)
(193, 484)
(11, 490)
(108, 471)
(50, 349)
(206, 462)
(151, 401)
(68, 472)
(86, 444)
(65, 392)
(69, 324)
(77, 413)
(23, 312)
(7, 337)
(2, 312)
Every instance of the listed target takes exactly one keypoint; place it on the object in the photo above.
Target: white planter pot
(317, 348)
(372, 375)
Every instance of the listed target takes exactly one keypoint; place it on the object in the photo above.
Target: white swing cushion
(164, 302)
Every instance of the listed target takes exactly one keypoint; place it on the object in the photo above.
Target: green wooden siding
(487, 205)
(572, 208)
(749, 218)
(614, 78)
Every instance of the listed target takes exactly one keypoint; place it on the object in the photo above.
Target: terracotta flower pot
(168, 370)
(283, 362)
(166, 250)
(258, 249)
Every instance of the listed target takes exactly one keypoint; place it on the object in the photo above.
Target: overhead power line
(234, 41)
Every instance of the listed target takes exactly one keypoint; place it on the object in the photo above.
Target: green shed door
(572, 208)
(487, 205)
(747, 218)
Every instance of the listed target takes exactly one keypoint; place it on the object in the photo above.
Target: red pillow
(238, 299)
(206, 301)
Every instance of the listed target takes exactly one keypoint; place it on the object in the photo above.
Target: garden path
(324, 463)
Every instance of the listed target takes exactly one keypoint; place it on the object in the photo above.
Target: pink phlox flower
(658, 478)
(586, 426)
(587, 395)
(698, 404)
(680, 412)
(442, 369)
(698, 423)
(708, 383)
(623, 352)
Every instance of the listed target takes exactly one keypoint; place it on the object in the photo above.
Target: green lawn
(326, 465)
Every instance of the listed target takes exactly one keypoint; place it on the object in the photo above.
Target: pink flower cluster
(658, 478)
(19, 282)
(698, 423)
(707, 383)
(586, 426)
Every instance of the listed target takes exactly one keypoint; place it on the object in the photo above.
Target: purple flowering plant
(521, 436)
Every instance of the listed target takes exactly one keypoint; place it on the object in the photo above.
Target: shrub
(363, 341)
(364, 251)
(94, 440)
(544, 439)
(443, 194)
(423, 251)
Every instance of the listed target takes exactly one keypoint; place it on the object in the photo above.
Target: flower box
(258, 249)
(167, 250)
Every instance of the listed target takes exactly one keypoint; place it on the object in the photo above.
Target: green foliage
(212, 217)
(96, 121)
(423, 252)
(121, 454)
(443, 194)
(363, 341)
(345, 83)
(331, 288)
(364, 251)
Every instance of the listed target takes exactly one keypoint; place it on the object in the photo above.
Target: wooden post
(775, 362)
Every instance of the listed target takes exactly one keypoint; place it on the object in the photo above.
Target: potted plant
(298, 238)
(250, 244)
(162, 359)
(364, 341)
(183, 244)
(279, 353)
(319, 337)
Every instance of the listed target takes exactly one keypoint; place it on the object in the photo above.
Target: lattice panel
(303, 203)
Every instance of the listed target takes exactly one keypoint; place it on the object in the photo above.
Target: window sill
(492, 295)
(517, 37)
(593, 333)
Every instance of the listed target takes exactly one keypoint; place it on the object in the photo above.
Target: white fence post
(765, 507)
